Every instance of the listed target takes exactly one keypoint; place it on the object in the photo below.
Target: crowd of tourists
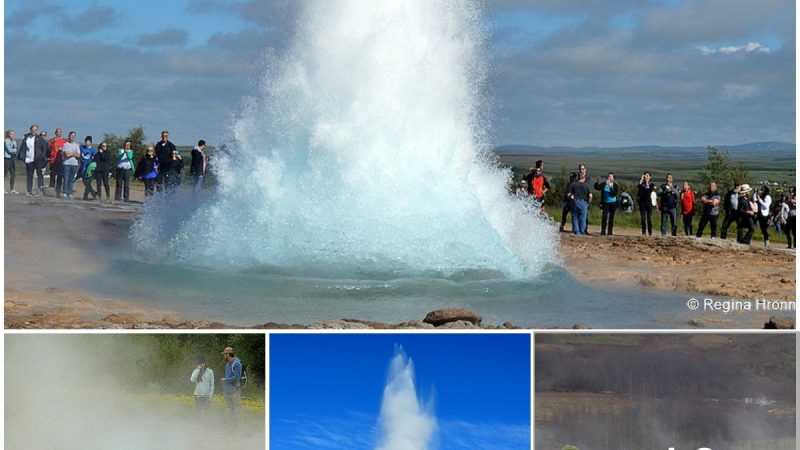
(66, 161)
(741, 205)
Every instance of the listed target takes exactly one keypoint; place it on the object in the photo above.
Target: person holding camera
(203, 379)
(609, 190)
(644, 197)
(764, 203)
(668, 194)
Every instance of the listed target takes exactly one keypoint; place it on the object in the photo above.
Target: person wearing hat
(747, 214)
(231, 381)
(203, 379)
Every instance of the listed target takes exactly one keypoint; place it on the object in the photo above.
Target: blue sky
(325, 390)
(571, 72)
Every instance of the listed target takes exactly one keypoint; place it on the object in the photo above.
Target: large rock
(442, 316)
(780, 323)
(459, 325)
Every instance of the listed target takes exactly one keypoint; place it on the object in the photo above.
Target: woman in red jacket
(687, 206)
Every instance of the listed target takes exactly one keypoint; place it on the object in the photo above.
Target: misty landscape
(126, 391)
(659, 391)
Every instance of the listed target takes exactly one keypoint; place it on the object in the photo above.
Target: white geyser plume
(406, 422)
(366, 149)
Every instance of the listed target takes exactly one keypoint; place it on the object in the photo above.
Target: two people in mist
(203, 379)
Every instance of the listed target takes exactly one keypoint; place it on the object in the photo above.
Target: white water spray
(406, 423)
(365, 151)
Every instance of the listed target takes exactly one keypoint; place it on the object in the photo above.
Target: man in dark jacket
(199, 164)
(33, 152)
(164, 151)
(710, 202)
(668, 194)
(731, 206)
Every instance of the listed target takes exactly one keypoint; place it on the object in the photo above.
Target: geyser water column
(406, 423)
(366, 150)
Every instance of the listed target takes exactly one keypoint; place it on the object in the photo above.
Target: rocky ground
(48, 239)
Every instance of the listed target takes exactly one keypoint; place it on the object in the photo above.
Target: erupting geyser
(366, 150)
(406, 424)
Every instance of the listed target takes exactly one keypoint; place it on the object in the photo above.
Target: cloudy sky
(562, 72)
(326, 390)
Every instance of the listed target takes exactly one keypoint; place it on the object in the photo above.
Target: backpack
(242, 383)
(625, 202)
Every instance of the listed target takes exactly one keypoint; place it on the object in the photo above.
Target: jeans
(730, 217)
(149, 186)
(10, 168)
(69, 178)
(763, 223)
(672, 215)
(707, 218)
(646, 216)
(579, 212)
(123, 188)
(607, 222)
(102, 178)
(745, 223)
(198, 182)
(30, 168)
(687, 224)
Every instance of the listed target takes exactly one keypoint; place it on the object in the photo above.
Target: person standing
(55, 159)
(644, 194)
(747, 211)
(231, 382)
(203, 379)
(710, 201)
(9, 165)
(88, 175)
(173, 176)
(72, 152)
(103, 160)
(164, 151)
(539, 186)
(764, 203)
(33, 152)
(199, 164)
(791, 220)
(582, 170)
(687, 208)
(87, 155)
(122, 174)
(147, 171)
(580, 194)
(566, 201)
(731, 210)
(608, 203)
(668, 194)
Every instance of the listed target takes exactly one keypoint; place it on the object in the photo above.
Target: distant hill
(771, 147)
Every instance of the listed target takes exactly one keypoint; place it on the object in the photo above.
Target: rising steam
(366, 149)
(406, 423)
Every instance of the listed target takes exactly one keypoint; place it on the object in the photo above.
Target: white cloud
(406, 423)
(750, 47)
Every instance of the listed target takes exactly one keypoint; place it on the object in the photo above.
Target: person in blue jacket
(87, 155)
(231, 382)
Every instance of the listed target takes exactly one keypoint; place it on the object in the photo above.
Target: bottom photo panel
(134, 391)
(665, 391)
(400, 391)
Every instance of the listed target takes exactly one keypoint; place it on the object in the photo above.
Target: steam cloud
(406, 423)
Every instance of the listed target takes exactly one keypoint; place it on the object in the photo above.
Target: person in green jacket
(88, 176)
(123, 171)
